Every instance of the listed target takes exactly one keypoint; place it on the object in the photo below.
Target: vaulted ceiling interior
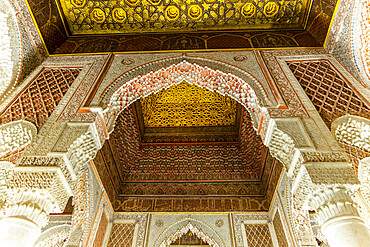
(186, 142)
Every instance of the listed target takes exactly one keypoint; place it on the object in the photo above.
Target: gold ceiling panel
(143, 16)
(188, 105)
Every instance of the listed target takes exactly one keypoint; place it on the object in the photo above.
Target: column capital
(333, 202)
(32, 204)
(318, 176)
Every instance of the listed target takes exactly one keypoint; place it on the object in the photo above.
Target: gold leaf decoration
(188, 105)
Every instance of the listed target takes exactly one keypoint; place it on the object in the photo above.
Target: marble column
(339, 219)
(26, 213)
(18, 231)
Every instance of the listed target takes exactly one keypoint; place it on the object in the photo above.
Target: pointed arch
(213, 65)
(195, 226)
(155, 81)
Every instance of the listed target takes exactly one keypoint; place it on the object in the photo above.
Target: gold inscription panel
(159, 16)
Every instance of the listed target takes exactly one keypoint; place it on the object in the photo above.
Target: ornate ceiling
(148, 16)
(186, 113)
(188, 105)
(92, 26)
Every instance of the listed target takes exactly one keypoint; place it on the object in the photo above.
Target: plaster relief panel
(296, 130)
(69, 135)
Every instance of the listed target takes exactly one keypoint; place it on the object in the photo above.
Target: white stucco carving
(194, 230)
(6, 63)
(282, 146)
(34, 204)
(83, 149)
(6, 171)
(353, 130)
(16, 135)
(54, 237)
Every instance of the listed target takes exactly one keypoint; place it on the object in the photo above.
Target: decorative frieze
(308, 157)
(6, 58)
(82, 207)
(49, 179)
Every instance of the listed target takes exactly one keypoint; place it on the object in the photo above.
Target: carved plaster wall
(73, 134)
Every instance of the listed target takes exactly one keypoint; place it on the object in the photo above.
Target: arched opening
(184, 140)
(189, 232)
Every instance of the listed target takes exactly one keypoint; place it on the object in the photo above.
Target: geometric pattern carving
(328, 91)
(230, 160)
(258, 235)
(122, 235)
(39, 99)
(279, 230)
(187, 105)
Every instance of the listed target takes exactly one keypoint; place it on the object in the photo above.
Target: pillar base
(18, 232)
(346, 231)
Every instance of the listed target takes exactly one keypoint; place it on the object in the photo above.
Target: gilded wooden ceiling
(167, 16)
(188, 105)
(186, 113)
